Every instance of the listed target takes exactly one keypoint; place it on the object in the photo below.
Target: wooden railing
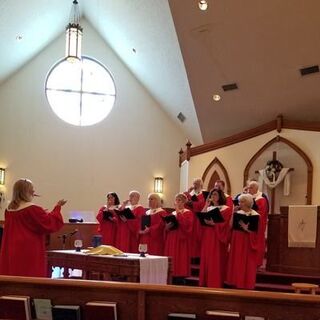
(144, 302)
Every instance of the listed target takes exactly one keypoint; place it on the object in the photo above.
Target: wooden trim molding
(278, 124)
(236, 138)
(295, 148)
(217, 162)
(301, 125)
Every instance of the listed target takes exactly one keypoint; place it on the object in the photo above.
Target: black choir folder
(126, 212)
(15, 307)
(100, 310)
(221, 315)
(107, 215)
(66, 312)
(171, 219)
(252, 220)
(205, 195)
(214, 215)
(145, 221)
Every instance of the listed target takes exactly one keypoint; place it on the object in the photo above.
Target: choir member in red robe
(214, 242)
(220, 184)
(262, 207)
(26, 225)
(177, 245)
(242, 262)
(108, 220)
(128, 229)
(196, 200)
(153, 235)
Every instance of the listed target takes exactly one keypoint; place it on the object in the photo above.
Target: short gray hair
(247, 197)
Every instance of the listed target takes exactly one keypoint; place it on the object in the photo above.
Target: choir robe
(107, 228)
(195, 237)
(126, 238)
(229, 201)
(242, 262)
(177, 245)
(23, 251)
(262, 209)
(155, 237)
(214, 249)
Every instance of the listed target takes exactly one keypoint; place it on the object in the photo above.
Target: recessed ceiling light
(19, 37)
(216, 97)
(203, 5)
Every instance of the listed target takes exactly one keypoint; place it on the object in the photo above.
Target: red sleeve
(99, 216)
(223, 228)
(135, 224)
(185, 222)
(254, 239)
(157, 227)
(43, 222)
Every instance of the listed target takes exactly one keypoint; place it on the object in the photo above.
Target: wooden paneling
(281, 258)
(86, 231)
(136, 301)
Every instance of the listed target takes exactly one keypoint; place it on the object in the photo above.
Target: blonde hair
(181, 196)
(22, 192)
(134, 193)
(155, 195)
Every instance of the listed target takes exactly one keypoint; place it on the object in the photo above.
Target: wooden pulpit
(281, 258)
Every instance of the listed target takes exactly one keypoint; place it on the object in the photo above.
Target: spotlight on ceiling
(216, 97)
(203, 5)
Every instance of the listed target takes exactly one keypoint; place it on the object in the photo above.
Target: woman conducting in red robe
(23, 250)
(153, 235)
(177, 245)
(128, 229)
(108, 220)
(242, 264)
(215, 239)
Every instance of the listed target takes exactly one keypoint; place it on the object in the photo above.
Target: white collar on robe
(112, 207)
(249, 213)
(219, 207)
(257, 196)
(180, 211)
(151, 212)
(132, 207)
(195, 193)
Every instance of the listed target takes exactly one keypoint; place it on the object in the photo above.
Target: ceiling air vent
(231, 86)
(181, 117)
(309, 70)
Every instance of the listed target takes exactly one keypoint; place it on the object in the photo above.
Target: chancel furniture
(144, 302)
(65, 237)
(281, 258)
(120, 268)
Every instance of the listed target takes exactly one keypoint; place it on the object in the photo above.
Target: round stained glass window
(81, 93)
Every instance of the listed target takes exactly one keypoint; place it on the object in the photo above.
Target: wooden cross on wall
(273, 190)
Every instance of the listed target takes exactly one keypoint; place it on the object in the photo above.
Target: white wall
(136, 142)
(235, 157)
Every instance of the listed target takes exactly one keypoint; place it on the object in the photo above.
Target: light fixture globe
(203, 5)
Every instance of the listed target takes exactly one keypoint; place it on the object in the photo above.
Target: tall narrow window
(81, 93)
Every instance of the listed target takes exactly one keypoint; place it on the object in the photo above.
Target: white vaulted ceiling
(183, 55)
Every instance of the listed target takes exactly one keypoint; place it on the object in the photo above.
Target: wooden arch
(295, 148)
(215, 176)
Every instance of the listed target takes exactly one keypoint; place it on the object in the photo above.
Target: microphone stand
(65, 236)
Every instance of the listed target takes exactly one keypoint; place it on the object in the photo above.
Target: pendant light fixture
(74, 34)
